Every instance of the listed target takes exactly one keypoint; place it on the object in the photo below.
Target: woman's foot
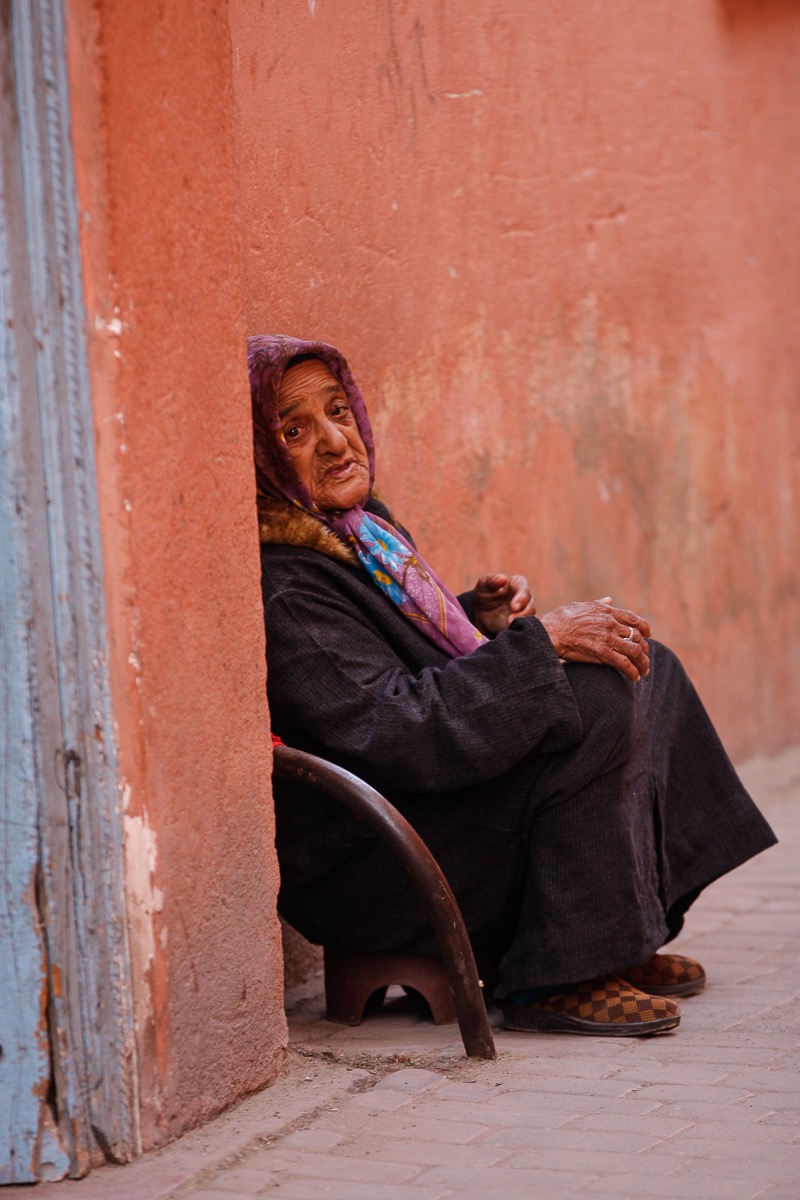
(667, 975)
(605, 1007)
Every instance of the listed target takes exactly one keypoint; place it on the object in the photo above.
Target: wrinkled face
(322, 437)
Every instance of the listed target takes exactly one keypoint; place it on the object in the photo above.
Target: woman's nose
(331, 438)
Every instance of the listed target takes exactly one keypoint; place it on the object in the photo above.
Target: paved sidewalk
(392, 1110)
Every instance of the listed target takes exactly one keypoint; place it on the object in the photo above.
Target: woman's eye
(292, 432)
(339, 410)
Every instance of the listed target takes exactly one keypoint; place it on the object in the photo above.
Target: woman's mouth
(342, 470)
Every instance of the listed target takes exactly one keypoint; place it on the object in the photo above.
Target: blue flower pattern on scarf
(384, 557)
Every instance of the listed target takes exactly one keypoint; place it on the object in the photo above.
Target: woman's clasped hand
(594, 631)
(590, 631)
(499, 599)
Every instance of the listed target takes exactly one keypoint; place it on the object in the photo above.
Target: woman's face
(322, 437)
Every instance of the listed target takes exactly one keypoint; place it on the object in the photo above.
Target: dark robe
(575, 814)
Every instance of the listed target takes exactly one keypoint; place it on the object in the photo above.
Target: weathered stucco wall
(561, 247)
(152, 118)
(561, 250)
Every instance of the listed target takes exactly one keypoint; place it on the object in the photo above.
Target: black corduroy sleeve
(332, 673)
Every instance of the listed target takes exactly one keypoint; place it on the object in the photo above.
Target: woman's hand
(594, 631)
(499, 599)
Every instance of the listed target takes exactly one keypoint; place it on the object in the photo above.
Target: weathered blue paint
(51, 605)
(24, 1066)
(24, 1062)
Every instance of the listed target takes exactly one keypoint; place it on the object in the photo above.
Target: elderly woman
(561, 768)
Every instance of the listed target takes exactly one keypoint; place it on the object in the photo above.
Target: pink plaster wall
(153, 132)
(561, 246)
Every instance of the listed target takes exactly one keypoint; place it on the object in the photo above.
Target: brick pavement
(392, 1111)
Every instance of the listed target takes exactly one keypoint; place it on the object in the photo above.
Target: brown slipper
(667, 975)
(606, 1007)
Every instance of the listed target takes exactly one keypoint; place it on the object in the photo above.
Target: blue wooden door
(67, 1055)
(28, 1127)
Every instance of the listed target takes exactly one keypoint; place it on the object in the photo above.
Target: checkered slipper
(667, 975)
(605, 1007)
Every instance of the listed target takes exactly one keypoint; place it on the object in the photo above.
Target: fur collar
(281, 523)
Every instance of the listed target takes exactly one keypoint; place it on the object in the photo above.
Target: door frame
(78, 902)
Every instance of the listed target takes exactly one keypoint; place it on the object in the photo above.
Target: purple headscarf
(393, 564)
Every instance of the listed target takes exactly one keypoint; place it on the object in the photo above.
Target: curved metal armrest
(440, 903)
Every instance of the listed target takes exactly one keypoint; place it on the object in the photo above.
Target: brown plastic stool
(457, 961)
(352, 979)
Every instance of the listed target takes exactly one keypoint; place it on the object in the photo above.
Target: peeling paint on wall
(144, 901)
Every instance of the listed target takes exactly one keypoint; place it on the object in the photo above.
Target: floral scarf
(392, 563)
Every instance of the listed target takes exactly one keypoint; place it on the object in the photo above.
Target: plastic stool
(352, 979)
